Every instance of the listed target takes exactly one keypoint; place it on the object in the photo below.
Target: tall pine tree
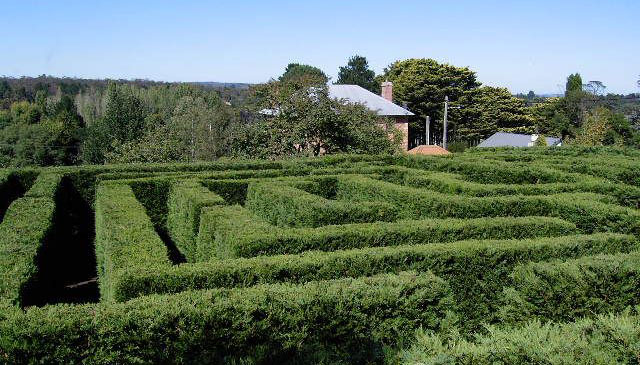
(357, 72)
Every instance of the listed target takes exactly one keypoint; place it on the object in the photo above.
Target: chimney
(387, 90)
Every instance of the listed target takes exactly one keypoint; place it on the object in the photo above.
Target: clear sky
(523, 45)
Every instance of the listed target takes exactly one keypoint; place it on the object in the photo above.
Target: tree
(123, 122)
(308, 122)
(574, 83)
(489, 109)
(357, 72)
(531, 95)
(596, 88)
(423, 84)
(603, 127)
(541, 141)
(574, 100)
(303, 75)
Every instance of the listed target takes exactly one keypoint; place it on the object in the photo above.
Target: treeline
(98, 122)
(59, 121)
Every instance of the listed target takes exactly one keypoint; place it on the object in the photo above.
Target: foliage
(125, 238)
(309, 122)
(486, 110)
(357, 72)
(303, 75)
(423, 84)
(603, 127)
(348, 320)
(42, 133)
(606, 339)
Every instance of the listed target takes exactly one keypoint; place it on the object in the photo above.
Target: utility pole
(427, 127)
(444, 130)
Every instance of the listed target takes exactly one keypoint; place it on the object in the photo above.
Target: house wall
(401, 124)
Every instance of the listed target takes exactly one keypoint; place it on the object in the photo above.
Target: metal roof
(374, 102)
(503, 139)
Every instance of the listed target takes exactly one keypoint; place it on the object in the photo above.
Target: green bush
(488, 171)
(454, 184)
(286, 206)
(607, 339)
(22, 233)
(567, 290)
(230, 232)
(125, 238)
(45, 186)
(186, 200)
(476, 270)
(349, 320)
(588, 214)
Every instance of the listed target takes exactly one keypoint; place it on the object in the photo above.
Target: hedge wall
(579, 208)
(448, 183)
(23, 231)
(231, 232)
(476, 270)
(185, 203)
(125, 238)
(287, 206)
(349, 320)
(607, 339)
(566, 290)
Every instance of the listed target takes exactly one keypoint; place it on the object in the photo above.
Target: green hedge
(476, 270)
(567, 290)
(448, 183)
(22, 233)
(610, 339)
(588, 214)
(46, 185)
(350, 320)
(230, 232)
(484, 170)
(125, 238)
(186, 200)
(286, 206)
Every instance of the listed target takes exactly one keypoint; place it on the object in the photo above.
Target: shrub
(229, 232)
(287, 206)
(22, 232)
(476, 270)
(454, 184)
(566, 290)
(344, 320)
(607, 339)
(186, 200)
(579, 208)
(125, 238)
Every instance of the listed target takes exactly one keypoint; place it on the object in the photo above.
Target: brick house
(381, 104)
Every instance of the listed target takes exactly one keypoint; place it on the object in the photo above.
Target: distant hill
(222, 85)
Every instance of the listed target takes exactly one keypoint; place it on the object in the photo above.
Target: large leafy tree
(423, 84)
(486, 110)
(123, 122)
(308, 122)
(357, 72)
(303, 75)
(42, 133)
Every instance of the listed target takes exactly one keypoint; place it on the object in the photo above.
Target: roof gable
(503, 139)
(376, 103)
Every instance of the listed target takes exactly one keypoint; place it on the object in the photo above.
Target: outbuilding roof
(503, 139)
(374, 102)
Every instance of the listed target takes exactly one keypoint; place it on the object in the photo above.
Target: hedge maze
(352, 259)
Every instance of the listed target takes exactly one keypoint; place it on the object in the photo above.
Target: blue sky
(521, 45)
